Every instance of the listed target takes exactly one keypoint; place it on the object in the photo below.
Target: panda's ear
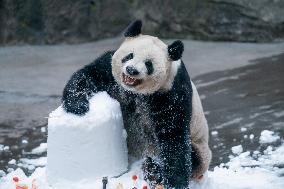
(175, 50)
(133, 29)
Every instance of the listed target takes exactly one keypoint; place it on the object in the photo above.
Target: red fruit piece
(200, 177)
(134, 177)
(15, 179)
(145, 187)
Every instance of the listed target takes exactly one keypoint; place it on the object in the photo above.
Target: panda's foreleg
(175, 150)
(77, 92)
(152, 172)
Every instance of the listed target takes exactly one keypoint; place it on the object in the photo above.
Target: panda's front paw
(152, 172)
(79, 107)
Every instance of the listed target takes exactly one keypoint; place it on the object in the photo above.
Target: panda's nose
(131, 70)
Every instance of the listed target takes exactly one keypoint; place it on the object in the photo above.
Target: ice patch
(278, 124)
(234, 121)
(200, 85)
(268, 137)
(249, 124)
(279, 114)
(207, 112)
(265, 107)
(220, 91)
(202, 97)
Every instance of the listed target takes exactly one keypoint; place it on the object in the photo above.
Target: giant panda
(162, 112)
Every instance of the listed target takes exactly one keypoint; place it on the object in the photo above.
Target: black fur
(132, 71)
(127, 57)
(149, 66)
(175, 50)
(160, 120)
(133, 29)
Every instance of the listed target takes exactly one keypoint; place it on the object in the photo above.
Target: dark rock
(73, 21)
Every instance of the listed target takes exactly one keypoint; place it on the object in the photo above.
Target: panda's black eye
(127, 57)
(149, 66)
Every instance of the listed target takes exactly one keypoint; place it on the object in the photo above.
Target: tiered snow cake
(86, 147)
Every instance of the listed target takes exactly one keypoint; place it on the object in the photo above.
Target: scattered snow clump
(40, 149)
(214, 133)
(237, 149)
(243, 129)
(268, 137)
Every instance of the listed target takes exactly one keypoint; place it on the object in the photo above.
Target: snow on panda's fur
(162, 112)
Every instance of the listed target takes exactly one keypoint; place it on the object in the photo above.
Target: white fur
(199, 133)
(173, 72)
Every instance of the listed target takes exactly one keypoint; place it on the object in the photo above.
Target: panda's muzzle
(130, 81)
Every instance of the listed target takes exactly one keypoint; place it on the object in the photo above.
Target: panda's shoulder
(102, 64)
(103, 60)
(182, 77)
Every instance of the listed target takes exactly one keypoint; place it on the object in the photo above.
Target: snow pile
(247, 170)
(268, 137)
(86, 147)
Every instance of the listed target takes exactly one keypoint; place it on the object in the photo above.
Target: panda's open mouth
(130, 81)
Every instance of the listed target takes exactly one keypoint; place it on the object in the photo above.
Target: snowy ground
(259, 169)
(241, 87)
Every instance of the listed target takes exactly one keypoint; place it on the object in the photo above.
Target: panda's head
(144, 64)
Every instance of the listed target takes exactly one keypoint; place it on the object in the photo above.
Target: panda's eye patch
(127, 57)
(149, 66)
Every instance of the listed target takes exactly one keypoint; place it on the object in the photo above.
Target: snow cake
(86, 147)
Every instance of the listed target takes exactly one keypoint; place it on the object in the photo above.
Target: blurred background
(71, 21)
(234, 52)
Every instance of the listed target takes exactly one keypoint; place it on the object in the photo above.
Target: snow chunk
(43, 129)
(89, 146)
(237, 149)
(35, 162)
(40, 149)
(243, 129)
(12, 162)
(4, 148)
(214, 133)
(1, 147)
(267, 136)
(2, 174)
